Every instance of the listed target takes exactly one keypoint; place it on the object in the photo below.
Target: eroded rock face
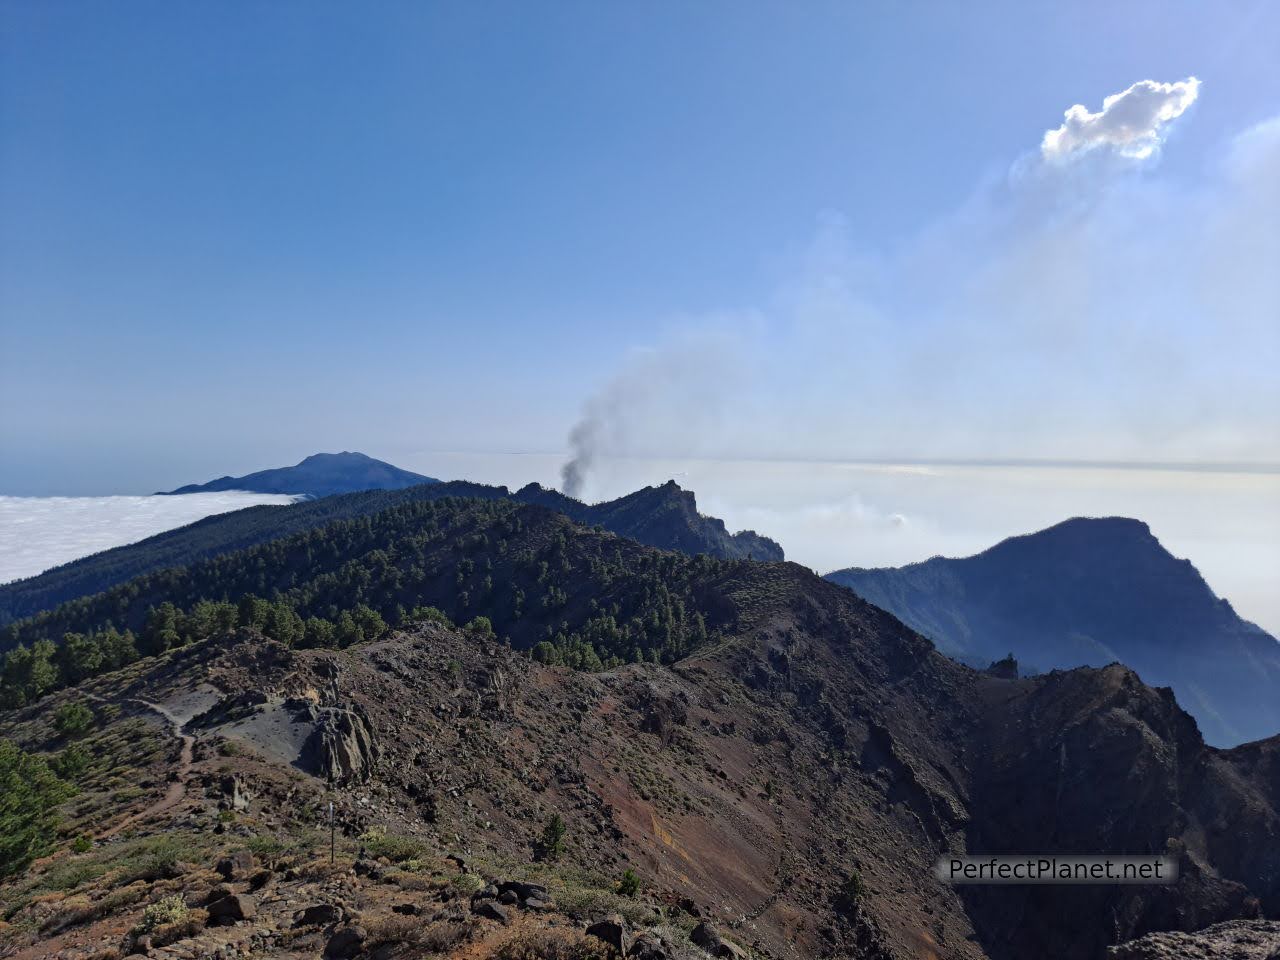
(1238, 940)
(342, 748)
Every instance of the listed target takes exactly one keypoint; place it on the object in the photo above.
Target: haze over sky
(235, 234)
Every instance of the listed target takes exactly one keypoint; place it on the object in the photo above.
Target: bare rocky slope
(1236, 940)
(791, 783)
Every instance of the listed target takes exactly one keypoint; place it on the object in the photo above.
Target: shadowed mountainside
(1093, 592)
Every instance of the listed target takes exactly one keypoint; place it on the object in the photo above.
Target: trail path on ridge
(177, 789)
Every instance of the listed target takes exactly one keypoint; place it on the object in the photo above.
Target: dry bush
(437, 937)
(82, 912)
(553, 945)
(419, 882)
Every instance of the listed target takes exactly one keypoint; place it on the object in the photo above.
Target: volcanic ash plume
(664, 402)
(584, 440)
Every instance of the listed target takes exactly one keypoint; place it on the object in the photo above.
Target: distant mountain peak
(319, 475)
(349, 455)
(1088, 591)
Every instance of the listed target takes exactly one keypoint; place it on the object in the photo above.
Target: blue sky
(234, 234)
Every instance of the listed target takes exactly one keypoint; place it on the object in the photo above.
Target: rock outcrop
(342, 748)
(1237, 940)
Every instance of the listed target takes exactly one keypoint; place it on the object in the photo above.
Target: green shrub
(550, 845)
(73, 718)
(70, 874)
(82, 844)
(396, 849)
(466, 883)
(430, 615)
(71, 763)
(629, 885)
(29, 794)
(265, 847)
(163, 913)
(851, 893)
(150, 857)
(481, 628)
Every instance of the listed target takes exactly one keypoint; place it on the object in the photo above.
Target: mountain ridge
(1091, 591)
(791, 779)
(677, 526)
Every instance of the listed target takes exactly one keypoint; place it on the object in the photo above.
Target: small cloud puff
(1130, 123)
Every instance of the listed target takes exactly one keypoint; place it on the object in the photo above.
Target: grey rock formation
(342, 747)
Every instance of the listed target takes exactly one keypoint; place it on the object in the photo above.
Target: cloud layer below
(37, 533)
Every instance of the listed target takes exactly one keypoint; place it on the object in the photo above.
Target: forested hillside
(572, 594)
(664, 517)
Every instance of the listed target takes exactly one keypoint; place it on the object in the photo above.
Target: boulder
(318, 915)
(524, 890)
(218, 892)
(1006, 669)
(260, 879)
(234, 794)
(368, 868)
(232, 909)
(451, 913)
(705, 936)
(508, 898)
(238, 866)
(491, 911)
(345, 943)
(612, 930)
(648, 945)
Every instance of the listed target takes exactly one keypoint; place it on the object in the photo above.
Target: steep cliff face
(1092, 761)
(1089, 592)
(667, 516)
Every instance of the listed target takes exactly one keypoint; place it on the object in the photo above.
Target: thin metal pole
(332, 834)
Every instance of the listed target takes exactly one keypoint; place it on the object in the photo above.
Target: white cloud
(43, 532)
(1130, 123)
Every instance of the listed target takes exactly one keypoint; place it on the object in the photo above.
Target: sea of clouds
(37, 533)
